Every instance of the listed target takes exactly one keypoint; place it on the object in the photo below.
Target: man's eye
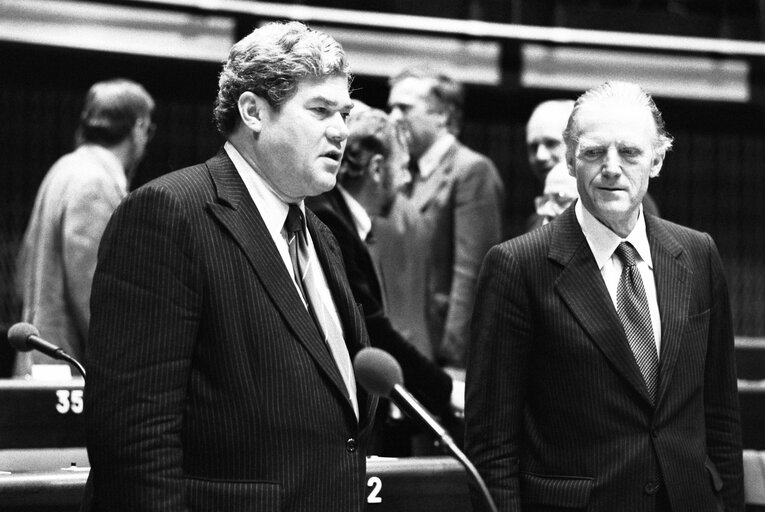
(631, 152)
(592, 153)
(320, 110)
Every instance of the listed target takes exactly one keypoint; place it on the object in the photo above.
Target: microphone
(380, 374)
(25, 337)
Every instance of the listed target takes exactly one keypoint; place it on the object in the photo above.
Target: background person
(454, 215)
(559, 193)
(374, 168)
(544, 136)
(602, 372)
(73, 204)
(219, 378)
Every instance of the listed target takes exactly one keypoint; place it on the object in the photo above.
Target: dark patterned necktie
(306, 279)
(632, 306)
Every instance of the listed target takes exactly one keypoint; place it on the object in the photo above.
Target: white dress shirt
(603, 242)
(274, 213)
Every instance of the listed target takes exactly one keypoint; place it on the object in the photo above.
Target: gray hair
(111, 109)
(447, 92)
(630, 93)
(371, 132)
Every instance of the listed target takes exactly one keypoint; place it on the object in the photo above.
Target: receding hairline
(643, 103)
(560, 108)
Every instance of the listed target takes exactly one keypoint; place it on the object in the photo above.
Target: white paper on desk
(51, 372)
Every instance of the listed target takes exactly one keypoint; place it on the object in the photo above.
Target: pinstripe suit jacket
(557, 411)
(209, 387)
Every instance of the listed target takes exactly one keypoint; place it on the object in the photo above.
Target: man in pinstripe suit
(210, 384)
(562, 412)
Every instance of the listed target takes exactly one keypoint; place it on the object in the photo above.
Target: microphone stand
(74, 362)
(472, 473)
(415, 410)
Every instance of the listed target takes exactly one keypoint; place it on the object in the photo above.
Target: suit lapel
(673, 288)
(331, 260)
(426, 189)
(358, 248)
(581, 287)
(337, 202)
(238, 214)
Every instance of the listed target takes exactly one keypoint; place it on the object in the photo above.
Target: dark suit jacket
(458, 212)
(209, 386)
(425, 379)
(557, 410)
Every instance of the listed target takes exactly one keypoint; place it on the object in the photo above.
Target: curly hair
(371, 132)
(271, 62)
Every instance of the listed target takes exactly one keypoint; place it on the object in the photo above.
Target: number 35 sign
(69, 401)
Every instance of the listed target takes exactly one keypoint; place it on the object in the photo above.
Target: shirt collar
(434, 154)
(361, 220)
(603, 242)
(271, 208)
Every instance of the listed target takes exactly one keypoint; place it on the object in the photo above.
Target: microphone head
(18, 336)
(377, 371)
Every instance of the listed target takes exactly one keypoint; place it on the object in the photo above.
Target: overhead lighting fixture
(660, 74)
(113, 28)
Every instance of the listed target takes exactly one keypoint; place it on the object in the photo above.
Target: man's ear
(444, 116)
(252, 109)
(656, 163)
(375, 167)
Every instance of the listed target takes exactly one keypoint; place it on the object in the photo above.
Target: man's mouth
(334, 155)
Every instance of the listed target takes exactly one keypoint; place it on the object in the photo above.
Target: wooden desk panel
(418, 484)
(41, 414)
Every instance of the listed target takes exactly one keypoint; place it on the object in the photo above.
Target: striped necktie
(307, 282)
(632, 306)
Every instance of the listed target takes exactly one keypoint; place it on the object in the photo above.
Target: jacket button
(351, 445)
(651, 488)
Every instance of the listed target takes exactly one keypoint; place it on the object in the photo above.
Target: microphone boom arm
(416, 411)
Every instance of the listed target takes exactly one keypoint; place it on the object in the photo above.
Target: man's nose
(542, 152)
(396, 115)
(337, 130)
(611, 162)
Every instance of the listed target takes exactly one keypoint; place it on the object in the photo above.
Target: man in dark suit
(374, 168)
(602, 374)
(454, 207)
(216, 381)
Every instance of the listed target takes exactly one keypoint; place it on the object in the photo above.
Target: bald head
(544, 136)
